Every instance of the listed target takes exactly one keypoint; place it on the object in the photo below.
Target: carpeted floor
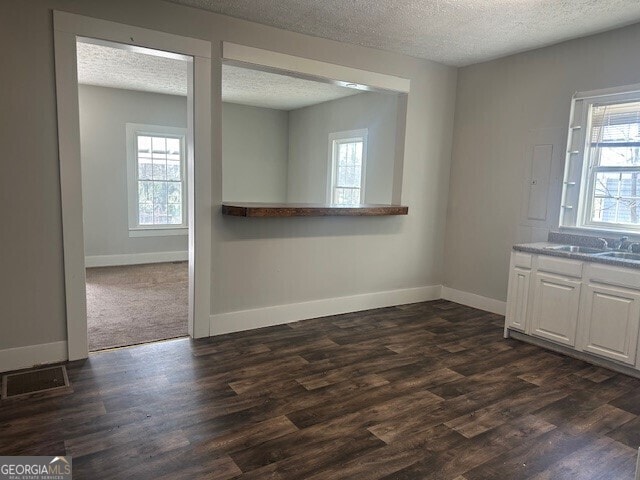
(135, 304)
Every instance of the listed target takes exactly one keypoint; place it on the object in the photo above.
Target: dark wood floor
(424, 391)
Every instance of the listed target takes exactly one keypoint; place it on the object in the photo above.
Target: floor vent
(34, 381)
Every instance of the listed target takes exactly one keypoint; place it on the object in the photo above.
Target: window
(157, 180)
(602, 171)
(347, 167)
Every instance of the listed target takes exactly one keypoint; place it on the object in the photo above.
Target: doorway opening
(133, 118)
(195, 208)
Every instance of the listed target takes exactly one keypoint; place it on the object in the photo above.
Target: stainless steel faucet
(622, 243)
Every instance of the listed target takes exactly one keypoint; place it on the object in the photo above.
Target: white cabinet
(611, 317)
(556, 303)
(518, 298)
(585, 306)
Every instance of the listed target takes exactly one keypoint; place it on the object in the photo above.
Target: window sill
(157, 232)
(634, 234)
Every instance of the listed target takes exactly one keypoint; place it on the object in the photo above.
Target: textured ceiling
(112, 67)
(269, 90)
(454, 32)
(116, 68)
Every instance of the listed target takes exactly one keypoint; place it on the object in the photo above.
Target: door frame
(67, 28)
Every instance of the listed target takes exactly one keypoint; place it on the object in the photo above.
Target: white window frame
(335, 139)
(133, 130)
(577, 189)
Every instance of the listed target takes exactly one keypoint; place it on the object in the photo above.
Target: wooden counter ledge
(310, 210)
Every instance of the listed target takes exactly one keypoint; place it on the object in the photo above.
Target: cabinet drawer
(621, 277)
(561, 266)
(521, 259)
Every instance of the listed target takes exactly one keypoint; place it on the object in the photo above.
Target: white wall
(503, 109)
(104, 113)
(255, 262)
(309, 130)
(254, 153)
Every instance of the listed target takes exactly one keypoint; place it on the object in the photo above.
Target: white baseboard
(25, 357)
(268, 316)
(473, 300)
(134, 259)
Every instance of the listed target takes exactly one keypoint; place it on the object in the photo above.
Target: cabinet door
(555, 308)
(518, 298)
(611, 317)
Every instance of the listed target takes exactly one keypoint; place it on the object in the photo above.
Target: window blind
(615, 125)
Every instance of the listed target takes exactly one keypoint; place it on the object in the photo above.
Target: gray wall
(104, 113)
(254, 153)
(255, 262)
(309, 130)
(504, 107)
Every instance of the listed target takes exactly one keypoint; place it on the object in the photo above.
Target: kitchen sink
(576, 249)
(596, 252)
(623, 255)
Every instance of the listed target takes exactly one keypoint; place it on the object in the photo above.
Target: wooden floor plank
(422, 391)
